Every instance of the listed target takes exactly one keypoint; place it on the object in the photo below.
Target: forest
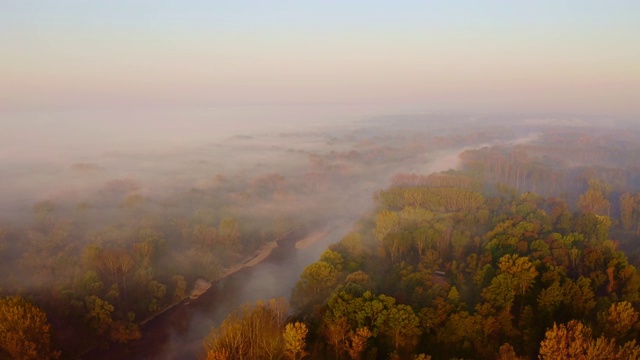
(526, 251)
(306, 180)
(481, 241)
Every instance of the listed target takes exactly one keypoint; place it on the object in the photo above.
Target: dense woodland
(110, 243)
(527, 251)
(529, 243)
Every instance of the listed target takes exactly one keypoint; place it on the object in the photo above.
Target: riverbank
(263, 252)
(266, 249)
(254, 259)
(178, 333)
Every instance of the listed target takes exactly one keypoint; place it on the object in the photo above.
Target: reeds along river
(178, 333)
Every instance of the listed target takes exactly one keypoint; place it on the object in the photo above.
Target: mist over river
(87, 183)
(148, 148)
(179, 332)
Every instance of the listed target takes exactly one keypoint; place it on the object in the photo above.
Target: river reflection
(178, 333)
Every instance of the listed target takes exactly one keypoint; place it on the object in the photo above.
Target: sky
(378, 56)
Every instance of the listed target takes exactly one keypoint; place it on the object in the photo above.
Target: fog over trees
(462, 231)
(358, 180)
(526, 250)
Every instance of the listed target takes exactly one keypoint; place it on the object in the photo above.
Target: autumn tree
(335, 332)
(630, 211)
(627, 204)
(594, 200)
(218, 355)
(295, 335)
(180, 291)
(574, 341)
(251, 332)
(352, 249)
(123, 331)
(229, 235)
(25, 332)
(620, 319)
(566, 342)
(116, 265)
(386, 231)
(44, 213)
(357, 342)
(204, 236)
(506, 352)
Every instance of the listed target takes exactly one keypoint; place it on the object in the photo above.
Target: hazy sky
(396, 56)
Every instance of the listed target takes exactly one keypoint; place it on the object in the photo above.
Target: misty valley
(398, 237)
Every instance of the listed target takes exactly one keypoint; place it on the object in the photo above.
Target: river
(178, 333)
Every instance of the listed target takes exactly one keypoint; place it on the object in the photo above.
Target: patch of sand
(312, 238)
(264, 252)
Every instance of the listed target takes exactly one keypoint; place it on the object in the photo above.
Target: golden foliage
(24, 330)
(295, 335)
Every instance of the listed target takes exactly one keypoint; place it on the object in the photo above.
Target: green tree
(116, 264)
(353, 250)
(550, 299)
(98, 314)
(156, 292)
(578, 298)
(314, 281)
(332, 258)
(523, 271)
(414, 217)
(403, 326)
(501, 292)
(424, 238)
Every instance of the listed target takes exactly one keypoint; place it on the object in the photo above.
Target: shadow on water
(178, 333)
